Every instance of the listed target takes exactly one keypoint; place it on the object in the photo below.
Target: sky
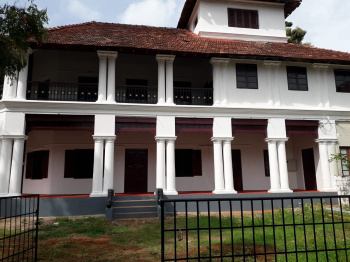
(326, 21)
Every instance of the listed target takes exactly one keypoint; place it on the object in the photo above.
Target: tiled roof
(289, 7)
(93, 36)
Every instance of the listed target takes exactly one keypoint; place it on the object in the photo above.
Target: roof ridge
(110, 23)
(70, 26)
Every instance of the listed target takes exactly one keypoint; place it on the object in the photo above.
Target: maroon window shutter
(254, 19)
(197, 163)
(45, 164)
(29, 166)
(69, 164)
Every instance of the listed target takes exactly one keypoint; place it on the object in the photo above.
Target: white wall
(213, 21)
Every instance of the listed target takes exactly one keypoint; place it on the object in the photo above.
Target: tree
(18, 25)
(296, 35)
(341, 158)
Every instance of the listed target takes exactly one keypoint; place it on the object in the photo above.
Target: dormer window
(243, 18)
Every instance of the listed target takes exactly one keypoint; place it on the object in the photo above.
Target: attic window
(243, 18)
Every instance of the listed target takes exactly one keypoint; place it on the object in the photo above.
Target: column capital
(106, 54)
(219, 60)
(276, 140)
(167, 58)
(101, 138)
(222, 139)
(272, 64)
(320, 67)
(165, 138)
(13, 137)
(325, 141)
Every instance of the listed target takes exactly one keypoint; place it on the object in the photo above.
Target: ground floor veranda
(89, 155)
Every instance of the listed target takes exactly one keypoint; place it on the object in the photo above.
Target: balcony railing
(62, 91)
(59, 91)
(193, 96)
(136, 94)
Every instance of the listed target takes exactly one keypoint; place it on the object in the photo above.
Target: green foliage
(339, 158)
(18, 25)
(296, 35)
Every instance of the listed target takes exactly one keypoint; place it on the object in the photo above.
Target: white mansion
(221, 103)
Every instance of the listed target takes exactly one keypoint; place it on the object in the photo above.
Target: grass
(95, 239)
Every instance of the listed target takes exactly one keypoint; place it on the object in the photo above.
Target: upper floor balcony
(111, 77)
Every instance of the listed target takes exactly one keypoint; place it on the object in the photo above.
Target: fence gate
(19, 228)
(312, 228)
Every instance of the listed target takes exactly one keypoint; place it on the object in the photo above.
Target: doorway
(309, 169)
(136, 170)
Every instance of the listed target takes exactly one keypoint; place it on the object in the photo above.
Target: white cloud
(326, 25)
(81, 11)
(150, 12)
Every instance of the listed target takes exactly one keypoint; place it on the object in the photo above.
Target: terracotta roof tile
(153, 40)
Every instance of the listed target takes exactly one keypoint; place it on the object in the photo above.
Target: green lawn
(95, 239)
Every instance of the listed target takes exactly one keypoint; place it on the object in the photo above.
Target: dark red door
(309, 169)
(237, 170)
(136, 161)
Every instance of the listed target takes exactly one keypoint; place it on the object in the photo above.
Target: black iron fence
(311, 228)
(62, 91)
(136, 94)
(193, 96)
(19, 228)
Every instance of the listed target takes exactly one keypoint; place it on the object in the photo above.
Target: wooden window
(79, 163)
(37, 165)
(266, 163)
(188, 163)
(297, 78)
(345, 151)
(247, 76)
(243, 18)
(342, 80)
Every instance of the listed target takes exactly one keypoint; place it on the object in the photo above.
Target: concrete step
(128, 203)
(148, 197)
(135, 215)
(133, 209)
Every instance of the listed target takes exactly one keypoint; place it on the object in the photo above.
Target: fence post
(162, 229)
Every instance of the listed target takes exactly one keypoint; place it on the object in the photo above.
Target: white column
(274, 94)
(161, 79)
(5, 165)
(160, 175)
(333, 164)
(228, 173)
(111, 77)
(325, 167)
(109, 165)
(5, 87)
(169, 80)
(102, 76)
(11, 91)
(323, 88)
(97, 180)
(274, 169)
(218, 167)
(22, 80)
(17, 167)
(282, 161)
(170, 167)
